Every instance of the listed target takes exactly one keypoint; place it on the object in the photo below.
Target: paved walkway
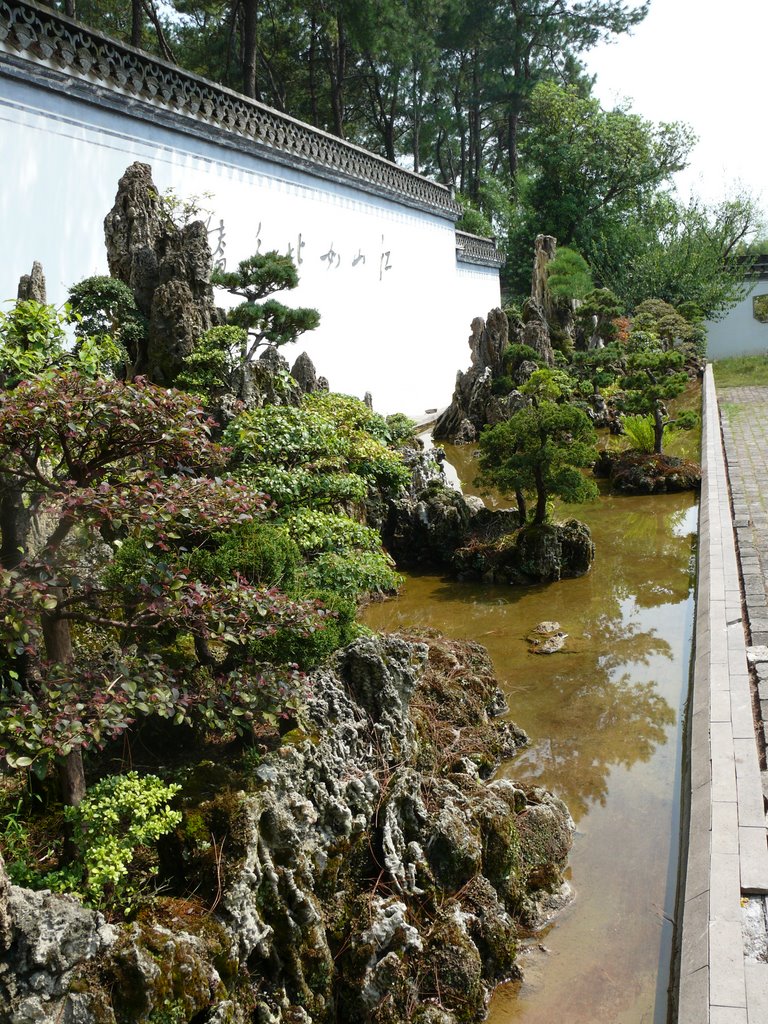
(724, 940)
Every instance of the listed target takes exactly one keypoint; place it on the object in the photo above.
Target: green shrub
(315, 531)
(568, 274)
(353, 574)
(514, 355)
(285, 647)
(503, 384)
(262, 553)
(401, 428)
(117, 815)
(305, 455)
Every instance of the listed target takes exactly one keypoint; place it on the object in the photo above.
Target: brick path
(723, 967)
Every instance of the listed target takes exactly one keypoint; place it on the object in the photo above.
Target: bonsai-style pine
(539, 451)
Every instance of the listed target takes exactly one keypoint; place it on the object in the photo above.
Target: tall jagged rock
(304, 373)
(536, 332)
(556, 311)
(544, 249)
(474, 403)
(167, 267)
(32, 286)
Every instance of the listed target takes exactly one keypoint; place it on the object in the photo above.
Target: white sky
(704, 62)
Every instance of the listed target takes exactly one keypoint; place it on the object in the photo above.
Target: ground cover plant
(741, 371)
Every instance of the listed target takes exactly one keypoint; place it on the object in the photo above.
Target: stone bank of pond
(604, 716)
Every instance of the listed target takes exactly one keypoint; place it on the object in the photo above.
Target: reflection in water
(603, 716)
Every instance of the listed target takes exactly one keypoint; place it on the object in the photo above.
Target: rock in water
(549, 646)
(547, 628)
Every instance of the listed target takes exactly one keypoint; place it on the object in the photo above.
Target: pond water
(604, 717)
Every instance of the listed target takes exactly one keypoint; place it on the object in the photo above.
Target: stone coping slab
(727, 855)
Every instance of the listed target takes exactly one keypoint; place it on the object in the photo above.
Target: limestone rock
(303, 372)
(536, 332)
(634, 472)
(544, 249)
(167, 267)
(474, 403)
(330, 855)
(32, 286)
(538, 554)
(43, 939)
(558, 312)
(6, 925)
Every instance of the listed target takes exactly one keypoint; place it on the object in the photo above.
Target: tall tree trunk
(416, 120)
(14, 531)
(522, 508)
(475, 131)
(58, 648)
(137, 22)
(338, 78)
(250, 32)
(14, 524)
(513, 119)
(70, 9)
(313, 106)
(541, 498)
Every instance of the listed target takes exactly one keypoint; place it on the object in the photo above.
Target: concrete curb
(727, 854)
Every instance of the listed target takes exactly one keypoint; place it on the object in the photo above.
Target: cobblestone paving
(744, 414)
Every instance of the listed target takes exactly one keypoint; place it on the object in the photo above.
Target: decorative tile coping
(474, 249)
(54, 42)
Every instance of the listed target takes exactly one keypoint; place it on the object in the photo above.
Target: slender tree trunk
(58, 648)
(14, 525)
(313, 73)
(338, 78)
(250, 31)
(522, 508)
(541, 499)
(137, 22)
(70, 9)
(475, 131)
(658, 429)
(512, 125)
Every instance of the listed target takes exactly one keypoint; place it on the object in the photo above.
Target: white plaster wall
(395, 306)
(738, 333)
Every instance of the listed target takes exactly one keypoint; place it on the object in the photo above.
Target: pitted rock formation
(474, 403)
(536, 332)
(304, 373)
(32, 286)
(167, 268)
(556, 311)
(544, 250)
(367, 864)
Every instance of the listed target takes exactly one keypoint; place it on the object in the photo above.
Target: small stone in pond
(547, 628)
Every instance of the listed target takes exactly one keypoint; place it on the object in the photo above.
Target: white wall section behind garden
(376, 247)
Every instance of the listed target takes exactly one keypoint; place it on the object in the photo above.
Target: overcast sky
(704, 62)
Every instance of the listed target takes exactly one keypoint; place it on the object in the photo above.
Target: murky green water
(604, 717)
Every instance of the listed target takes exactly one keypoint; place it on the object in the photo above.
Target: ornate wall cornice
(78, 60)
(474, 249)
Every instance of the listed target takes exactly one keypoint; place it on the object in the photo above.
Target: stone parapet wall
(474, 249)
(90, 59)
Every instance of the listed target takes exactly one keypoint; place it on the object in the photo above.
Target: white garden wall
(739, 332)
(376, 248)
